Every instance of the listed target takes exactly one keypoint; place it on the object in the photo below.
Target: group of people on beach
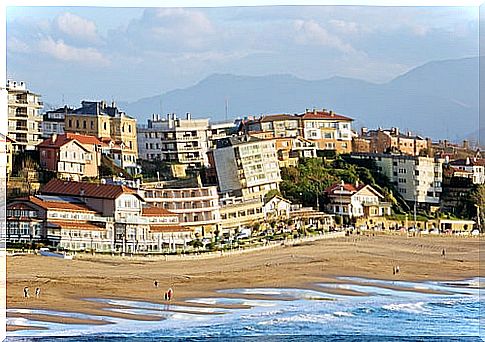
(395, 270)
(27, 292)
(168, 295)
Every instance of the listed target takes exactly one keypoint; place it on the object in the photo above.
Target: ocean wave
(300, 318)
(417, 308)
(343, 314)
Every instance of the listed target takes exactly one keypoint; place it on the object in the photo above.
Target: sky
(68, 54)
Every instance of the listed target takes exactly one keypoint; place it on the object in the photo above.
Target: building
(6, 162)
(246, 166)
(417, 179)
(24, 120)
(291, 150)
(53, 121)
(473, 168)
(136, 227)
(62, 221)
(330, 131)
(274, 126)
(277, 208)
(71, 156)
(175, 140)
(391, 140)
(239, 213)
(181, 141)
(197, 207)
(356, 200)
(107, 123)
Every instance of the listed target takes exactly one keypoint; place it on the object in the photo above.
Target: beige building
(275, 126)
(391, 140)
(24, 119)
(6, 155)
(246, 166)
(107, 123)
(239, 213)
(197, 207)
(329, 130)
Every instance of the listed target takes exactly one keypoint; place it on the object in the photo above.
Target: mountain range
(438, 99)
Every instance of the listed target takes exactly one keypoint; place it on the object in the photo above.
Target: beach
(65, 283)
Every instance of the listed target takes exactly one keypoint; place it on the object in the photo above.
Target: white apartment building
(418, 179)
(184, 141)
(24, 120)
(246, 166)
(197, 207)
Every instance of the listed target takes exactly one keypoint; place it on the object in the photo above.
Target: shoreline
(66, 283)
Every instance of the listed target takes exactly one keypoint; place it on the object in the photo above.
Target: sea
(384, 311)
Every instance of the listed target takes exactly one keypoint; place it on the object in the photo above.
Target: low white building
(473, 168)
(277, 208)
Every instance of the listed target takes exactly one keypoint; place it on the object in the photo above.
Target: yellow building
(103, 121)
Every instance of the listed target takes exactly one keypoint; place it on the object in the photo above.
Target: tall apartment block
(24, 120)
(417, 179)
(246, 166)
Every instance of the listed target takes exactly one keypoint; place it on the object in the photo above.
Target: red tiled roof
(81, 225)
(164, 228)
(60, 205)
(106, 191)
(323, 116)
(63, 139)
(347, 187)
(18, 206)
(84, 139)
(156, 211)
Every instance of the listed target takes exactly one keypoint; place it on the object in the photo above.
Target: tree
(477, 197)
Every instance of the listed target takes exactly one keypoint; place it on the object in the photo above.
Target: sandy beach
(65, 283)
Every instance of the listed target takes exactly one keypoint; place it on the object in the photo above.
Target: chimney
(409, 133)
(314, 111)
(467, 161)
(188, 116)
(113, 104)
(357, 183)
(466, 145)
(332, 114)
(54, 138)
(363, 131)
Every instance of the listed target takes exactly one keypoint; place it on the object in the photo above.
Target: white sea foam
(417, 308)
(300, 318)
(343, 314)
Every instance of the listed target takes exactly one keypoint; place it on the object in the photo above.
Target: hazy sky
(127, 53)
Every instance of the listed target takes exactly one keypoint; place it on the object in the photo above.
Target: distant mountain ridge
(438, 99)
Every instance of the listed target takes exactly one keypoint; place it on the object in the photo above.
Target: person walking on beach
(393, 270)
(37, 292)
(26, 292)
(443, 253)
(169, 294)
(397, 269)
(155, 283)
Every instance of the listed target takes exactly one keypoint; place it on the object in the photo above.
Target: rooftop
(85, 189)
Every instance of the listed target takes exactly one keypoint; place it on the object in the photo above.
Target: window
(77, 123)
(104, 126)
(84, 124)
(70, 123)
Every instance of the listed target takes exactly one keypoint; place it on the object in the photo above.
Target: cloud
(64, 52)
(309, 32)
(15, 45)
(77, 27)
(169, 28)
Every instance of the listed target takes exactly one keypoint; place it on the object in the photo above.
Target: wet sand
(65, 283)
